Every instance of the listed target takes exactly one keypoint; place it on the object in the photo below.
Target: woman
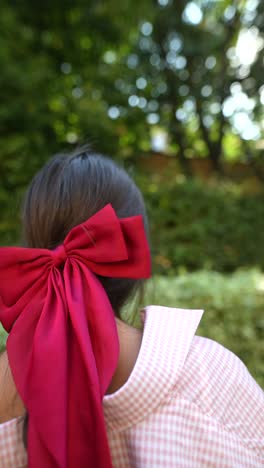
(93, 391)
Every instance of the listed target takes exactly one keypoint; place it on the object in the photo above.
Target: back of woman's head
(67, 191)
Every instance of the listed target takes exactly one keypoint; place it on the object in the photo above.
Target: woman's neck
(130, 339)
(11, 406)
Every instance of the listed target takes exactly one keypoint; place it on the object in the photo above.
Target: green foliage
(68, 74)
(233, 305)
(179, 73)
(3, 338)
(196, 226)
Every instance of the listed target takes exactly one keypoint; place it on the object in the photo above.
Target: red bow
(63, 343)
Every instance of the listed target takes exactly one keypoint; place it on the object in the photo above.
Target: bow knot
(59, 256)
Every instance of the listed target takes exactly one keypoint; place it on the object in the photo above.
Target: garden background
(173, 91)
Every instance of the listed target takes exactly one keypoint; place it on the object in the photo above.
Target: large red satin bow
(63, 344)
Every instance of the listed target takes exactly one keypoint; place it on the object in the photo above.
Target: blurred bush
(233, 305)
(196, 225)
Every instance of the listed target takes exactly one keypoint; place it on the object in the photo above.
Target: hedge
(233, 305)
(196, 225)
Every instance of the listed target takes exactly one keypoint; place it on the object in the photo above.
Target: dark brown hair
(68, 190)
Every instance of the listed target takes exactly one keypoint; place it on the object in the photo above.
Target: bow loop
(100, 239)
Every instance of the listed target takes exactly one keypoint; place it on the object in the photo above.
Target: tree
(111, 71)
(50, 62)
(183, 71)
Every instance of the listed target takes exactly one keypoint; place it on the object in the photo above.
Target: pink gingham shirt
(188, 402)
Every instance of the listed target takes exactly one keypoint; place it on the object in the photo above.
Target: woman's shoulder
(209, 357)
(216, 381)
(207, 374)
(205, 358)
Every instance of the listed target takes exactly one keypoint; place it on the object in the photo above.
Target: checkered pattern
(12, 452)
(189, 402)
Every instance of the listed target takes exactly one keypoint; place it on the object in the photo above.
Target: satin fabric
(63, 344)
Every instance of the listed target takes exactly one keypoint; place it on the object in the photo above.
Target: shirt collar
(167, 338)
